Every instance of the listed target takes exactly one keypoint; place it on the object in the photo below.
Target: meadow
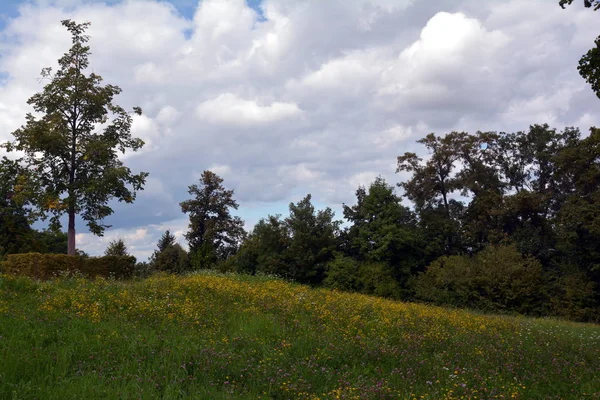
(210, 336)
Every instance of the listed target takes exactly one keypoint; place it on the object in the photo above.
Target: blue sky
(10, 8)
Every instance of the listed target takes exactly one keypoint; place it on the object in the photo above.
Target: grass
(207, 336)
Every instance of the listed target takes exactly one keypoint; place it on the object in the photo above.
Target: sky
(282, 98)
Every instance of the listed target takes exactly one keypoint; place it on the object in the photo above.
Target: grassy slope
(214, 337)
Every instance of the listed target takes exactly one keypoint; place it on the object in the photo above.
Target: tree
(214, 234)
(589, 64)
(55, 242)
(432, 183)
(16, 235)
(577, 222)
(265, 248)
(587, 3)
(173, 258)
(383, 231)
(116, 248)
(169, 256)
(165, 241)
(312, 241)
(77, 170)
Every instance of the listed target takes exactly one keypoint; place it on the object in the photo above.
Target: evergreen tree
(116, 248)
(214, 234)
(313, 240)
(383, 231)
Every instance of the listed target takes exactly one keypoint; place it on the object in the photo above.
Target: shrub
(47, 266)
(343, 274)
(377, 278)
(496, 279)
(369, 277)
(573, 297)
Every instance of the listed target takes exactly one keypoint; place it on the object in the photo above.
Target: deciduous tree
(72, 145)
(589, 64)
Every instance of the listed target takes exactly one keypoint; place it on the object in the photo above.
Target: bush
(343, 274)
(47, 266)
(496, 279)
(348, 274)
(573, 297)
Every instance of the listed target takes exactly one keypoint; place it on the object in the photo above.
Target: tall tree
(431, 185)
(76, 165)
(577, 222)
(214, 234)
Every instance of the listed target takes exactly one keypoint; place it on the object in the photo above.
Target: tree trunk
(71, 234)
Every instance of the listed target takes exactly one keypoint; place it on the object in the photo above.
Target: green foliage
(79, 170)
(368, 277)
(297, 247)
(52, 241)
(166, 240)
(343, 273)
(264, 249)
(173, 258)
(312, 241)
(573, 297)
(214, 234)
(383, 231)
(497, 279)
(169, 255)
(47, 266)
(433, 182)
(587, 3)
(578, 219)
(16, 235)
(589, 67)
(589, 64)
(116, 248)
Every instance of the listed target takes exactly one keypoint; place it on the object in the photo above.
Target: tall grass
(206, 336)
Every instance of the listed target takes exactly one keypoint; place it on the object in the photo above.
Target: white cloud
(451, 47)
(318, 97)
(167, 115)
(221, 170)
(228, 108)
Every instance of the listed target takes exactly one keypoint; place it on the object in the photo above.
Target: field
(209, 336)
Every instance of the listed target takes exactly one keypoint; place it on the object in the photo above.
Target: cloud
(310, 96)
(228, 108)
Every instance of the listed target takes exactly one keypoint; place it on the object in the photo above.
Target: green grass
(233, 337)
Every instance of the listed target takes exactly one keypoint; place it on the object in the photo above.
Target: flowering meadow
(209, 336)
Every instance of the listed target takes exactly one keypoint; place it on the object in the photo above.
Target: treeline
(502, 222)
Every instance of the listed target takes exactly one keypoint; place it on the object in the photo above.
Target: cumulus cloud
(230, 109)
(304, 96)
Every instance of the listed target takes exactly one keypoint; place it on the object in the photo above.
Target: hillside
(207, 336)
